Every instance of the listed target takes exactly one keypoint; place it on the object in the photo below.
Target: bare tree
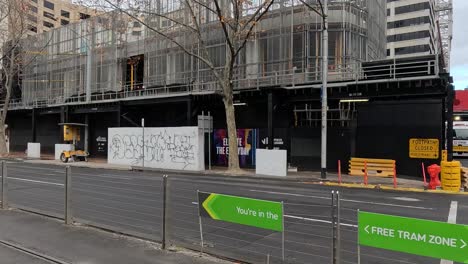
(235, 19)
(12, 29)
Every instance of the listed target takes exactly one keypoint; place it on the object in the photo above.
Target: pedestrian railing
(165, 209)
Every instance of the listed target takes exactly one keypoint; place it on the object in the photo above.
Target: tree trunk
(232, 132)
(3, 145)
(8, 86)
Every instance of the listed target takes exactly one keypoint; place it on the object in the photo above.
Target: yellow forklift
(71, 134)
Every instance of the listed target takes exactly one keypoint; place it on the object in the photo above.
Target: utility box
(60, 148)
(34, 150)
(272, 162)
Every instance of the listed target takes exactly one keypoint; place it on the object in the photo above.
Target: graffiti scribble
(160, 147)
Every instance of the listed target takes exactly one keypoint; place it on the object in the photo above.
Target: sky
(459, 54)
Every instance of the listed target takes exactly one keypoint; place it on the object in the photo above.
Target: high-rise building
(411, 28)
(46, 14)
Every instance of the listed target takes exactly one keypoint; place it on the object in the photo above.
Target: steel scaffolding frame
(444, 11)
(283, 51)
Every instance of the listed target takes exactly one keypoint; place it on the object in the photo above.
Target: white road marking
(452, 219)
(307, 219)
(406, 199)
(345, 200)
(316, 220)
(42, 182)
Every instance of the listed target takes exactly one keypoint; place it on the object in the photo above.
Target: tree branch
(222, 21)
(313, 8)
(170, 19)
(204, 60)
(253, 23)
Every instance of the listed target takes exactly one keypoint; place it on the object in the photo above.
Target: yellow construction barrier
(375, 167)
(450, 176)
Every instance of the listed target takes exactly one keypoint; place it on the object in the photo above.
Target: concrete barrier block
(34, 150)
(59, 148)
(272, 162)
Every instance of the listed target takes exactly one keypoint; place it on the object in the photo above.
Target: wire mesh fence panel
(43, 197)
(119, 201)
(307, 226)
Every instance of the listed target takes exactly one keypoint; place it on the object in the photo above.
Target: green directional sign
(241, 210)
(415, 236)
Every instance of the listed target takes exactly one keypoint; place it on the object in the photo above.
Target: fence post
(358, 245)
(201, 226)
(68, 211)
(333, 227)
(282, 235)
(394, 177)
(163, 246)
(338, 224)
(4, 186)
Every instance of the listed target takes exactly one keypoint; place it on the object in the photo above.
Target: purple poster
(246, 142)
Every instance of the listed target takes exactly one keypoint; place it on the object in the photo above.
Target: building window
(136, 33)
(409, 36)
(411, 8)
(412, 49)
(32, 18)
(49, 15)
(65, 13)
(84, 16)
(33, 9)
(48, 24)
(35, 1)
(136, 24)
(388, 11)
(388, 52)
(64, 22)
(409, 22)
(49, 5)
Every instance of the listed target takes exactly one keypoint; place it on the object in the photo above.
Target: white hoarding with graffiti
(175, 148)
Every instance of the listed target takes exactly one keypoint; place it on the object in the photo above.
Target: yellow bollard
(450, 176)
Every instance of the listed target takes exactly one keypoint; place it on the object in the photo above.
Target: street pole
(324, 91)
(449, 118)
(143, 142)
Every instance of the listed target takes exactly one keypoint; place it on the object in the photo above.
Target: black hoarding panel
(385, 128)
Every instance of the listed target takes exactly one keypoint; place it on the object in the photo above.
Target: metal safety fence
(318, 228)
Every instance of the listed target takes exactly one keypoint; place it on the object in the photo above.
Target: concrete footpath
(76, 244)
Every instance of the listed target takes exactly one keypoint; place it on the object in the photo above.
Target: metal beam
(270, 121)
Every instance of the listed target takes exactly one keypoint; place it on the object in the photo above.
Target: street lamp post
(323, 13)
(323, 170)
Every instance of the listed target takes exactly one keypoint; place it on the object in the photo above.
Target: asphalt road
(131, 202)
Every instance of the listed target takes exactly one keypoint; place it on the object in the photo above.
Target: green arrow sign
(415, 236)
(241, 210)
